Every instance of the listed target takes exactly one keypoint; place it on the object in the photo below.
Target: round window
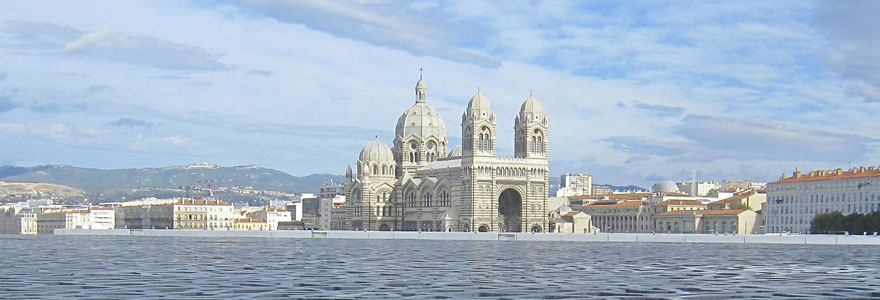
(414, 145)
(430, 146)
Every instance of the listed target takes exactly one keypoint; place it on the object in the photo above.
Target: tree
(855, 223)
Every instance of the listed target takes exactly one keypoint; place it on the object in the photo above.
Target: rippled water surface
(63, 267)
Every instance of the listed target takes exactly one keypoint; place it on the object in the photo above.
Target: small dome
(563, 209)
(420, 85)
(531, 106)
(377, 152)
(455, 152)
(665, 187)
(479, 103)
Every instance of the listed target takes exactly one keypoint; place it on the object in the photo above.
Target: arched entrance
(483, 228)
(536, 228)
(510, 211)
(384, 227)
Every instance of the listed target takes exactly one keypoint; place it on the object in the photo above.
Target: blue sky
(635, 91)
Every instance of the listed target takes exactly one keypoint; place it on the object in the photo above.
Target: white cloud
(311, 82)
(381, 24)
(851, 27)
(143, 50)
(712, 138)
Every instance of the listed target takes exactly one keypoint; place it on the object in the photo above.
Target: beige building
(420, 185)
(624, 216)
(146, 216)
(176, 213)
(748, 199)
(254, 225)
(735, 221)
(675, 205)
(203, 214)
(566, 220)
(69, 219)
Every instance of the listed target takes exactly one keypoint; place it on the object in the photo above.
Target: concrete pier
(494, 236)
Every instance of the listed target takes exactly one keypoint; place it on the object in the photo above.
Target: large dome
(422, 121)
(665, 187)
(377, 153)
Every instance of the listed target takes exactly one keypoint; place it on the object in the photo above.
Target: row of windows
(714, 226)
(202, 217)
(820, 198)
(202, 208)
(427, 199)
(830, 184)
(863, 208)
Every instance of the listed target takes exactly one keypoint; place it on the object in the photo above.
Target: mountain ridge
(121, 182)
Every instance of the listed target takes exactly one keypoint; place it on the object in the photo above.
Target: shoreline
(793, 239)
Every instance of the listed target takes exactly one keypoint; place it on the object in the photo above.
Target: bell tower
(478, 128)
(531, 129)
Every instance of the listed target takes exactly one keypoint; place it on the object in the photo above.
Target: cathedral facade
(416, 184)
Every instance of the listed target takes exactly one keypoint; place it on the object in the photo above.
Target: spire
(421, 89)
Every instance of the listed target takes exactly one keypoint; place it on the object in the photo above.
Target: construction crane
(209, 183)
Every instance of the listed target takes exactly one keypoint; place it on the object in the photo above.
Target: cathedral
(416, 184)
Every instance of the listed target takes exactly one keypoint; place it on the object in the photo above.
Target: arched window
(375, 170)
(384, 170)
(426, 199)
(412, 157)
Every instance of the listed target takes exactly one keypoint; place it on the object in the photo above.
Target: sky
(635, 91)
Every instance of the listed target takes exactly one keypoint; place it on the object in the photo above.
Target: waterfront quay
(796, 239)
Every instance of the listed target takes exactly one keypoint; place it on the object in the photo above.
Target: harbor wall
(494, 236)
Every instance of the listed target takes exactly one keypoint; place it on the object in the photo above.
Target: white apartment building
(702, 187)
(793, 202)
(574, 185)
(101, 218)
(15, 220)
(272, 216)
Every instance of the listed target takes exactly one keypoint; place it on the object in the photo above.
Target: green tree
(854, 223)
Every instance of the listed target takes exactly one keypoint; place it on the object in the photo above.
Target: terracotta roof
(201, 202)
(832, 174)
(676, 194)
(618, 204)
(704, 212)
(626, 196)
(571, 213)
(248, 221)
(739, 196)
(679, 202)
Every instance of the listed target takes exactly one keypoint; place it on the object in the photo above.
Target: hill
(134, 183)
(18, 191)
